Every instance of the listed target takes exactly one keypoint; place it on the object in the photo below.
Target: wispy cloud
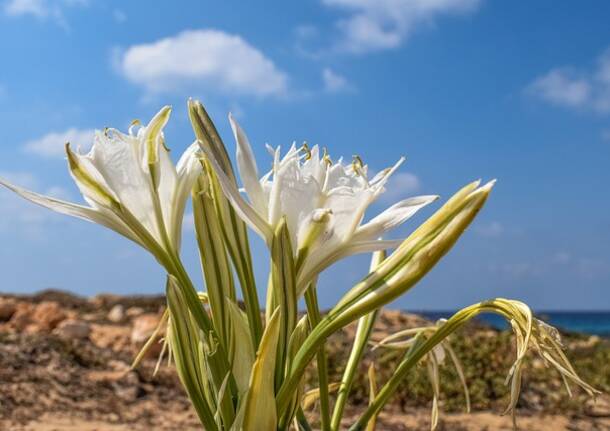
(213, 59)
(401, 185)
(372, 25)
(42, 9)
(492, 229)
(573, 88)
(18, 214)
(52, 144)
(582, 267)
(334, 82)
(119, 16)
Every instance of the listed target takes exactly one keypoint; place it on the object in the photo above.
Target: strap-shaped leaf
(243, 353)
(260, 411)
(187, 353)
(213, 256)
(372, 374)
(233, 228)
(283, 285)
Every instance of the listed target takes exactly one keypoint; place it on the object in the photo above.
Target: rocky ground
(64, 365)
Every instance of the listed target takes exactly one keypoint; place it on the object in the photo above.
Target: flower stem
(313, 312)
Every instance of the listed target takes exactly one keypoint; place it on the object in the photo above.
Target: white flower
(324, 203)
(130, 184)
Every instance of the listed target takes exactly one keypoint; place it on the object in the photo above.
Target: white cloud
(42, 9)
(333, 82)
(383, 24)
(571, 88)
(37, 8)
(119, 16)
(209, 58)
(52, 144)
(400, 186)
(490, 230)
(306, 31)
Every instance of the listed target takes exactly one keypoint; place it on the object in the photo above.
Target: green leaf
(187, 353)
(283, 287)
(260, 411)
(243, 353)
(213, 257)
(233, 228)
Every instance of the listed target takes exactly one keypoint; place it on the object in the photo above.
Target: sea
(586, 322)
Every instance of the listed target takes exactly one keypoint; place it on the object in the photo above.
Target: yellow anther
(326, 157)
(134, 123)
(357, 164)
(307, 151)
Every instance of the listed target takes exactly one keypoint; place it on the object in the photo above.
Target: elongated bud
(206, 133)
(416, 256)
(89, 185)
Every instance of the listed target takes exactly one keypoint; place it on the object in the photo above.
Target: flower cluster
(243, 371)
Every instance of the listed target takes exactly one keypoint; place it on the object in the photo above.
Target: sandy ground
(64, 366)
(478, 421)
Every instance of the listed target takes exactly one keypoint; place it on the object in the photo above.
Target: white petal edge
(248, 170)
(188, 169)
(315, 267)
(392, 217)
(241, 207)
(99, 216)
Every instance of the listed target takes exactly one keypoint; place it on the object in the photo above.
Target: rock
(115, 337)
(143, 327)
(73, 329)
(8, 306)
(134, 312)
(47, 315)
(22, 317)
(598, 408)
(116, 314)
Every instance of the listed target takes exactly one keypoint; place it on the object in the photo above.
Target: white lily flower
(324, 203)
(130, 184)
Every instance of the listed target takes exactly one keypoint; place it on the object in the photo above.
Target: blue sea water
(587, 322)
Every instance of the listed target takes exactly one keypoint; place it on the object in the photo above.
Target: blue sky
(466, 89)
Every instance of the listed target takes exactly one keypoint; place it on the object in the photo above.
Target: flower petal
(247, 168)
(320, 261)
(241, 207)
(116, 157)
(188, 169)
(100, 216)
(392, 217)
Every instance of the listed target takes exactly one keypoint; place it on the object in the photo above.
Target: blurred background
(465, 89)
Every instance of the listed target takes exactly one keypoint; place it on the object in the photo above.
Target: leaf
(187, 354)
(283, 285)
(243, 353)
(260, 411)
(372, 394)
(213, 256)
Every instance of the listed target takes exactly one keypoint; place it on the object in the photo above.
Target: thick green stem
(313, 312)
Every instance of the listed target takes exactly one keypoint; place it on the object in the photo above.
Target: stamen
(307, 151)
(135, 123)
(326, 157)
(357, 164)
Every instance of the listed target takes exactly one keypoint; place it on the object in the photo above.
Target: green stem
(365, 327)
(313, 312)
